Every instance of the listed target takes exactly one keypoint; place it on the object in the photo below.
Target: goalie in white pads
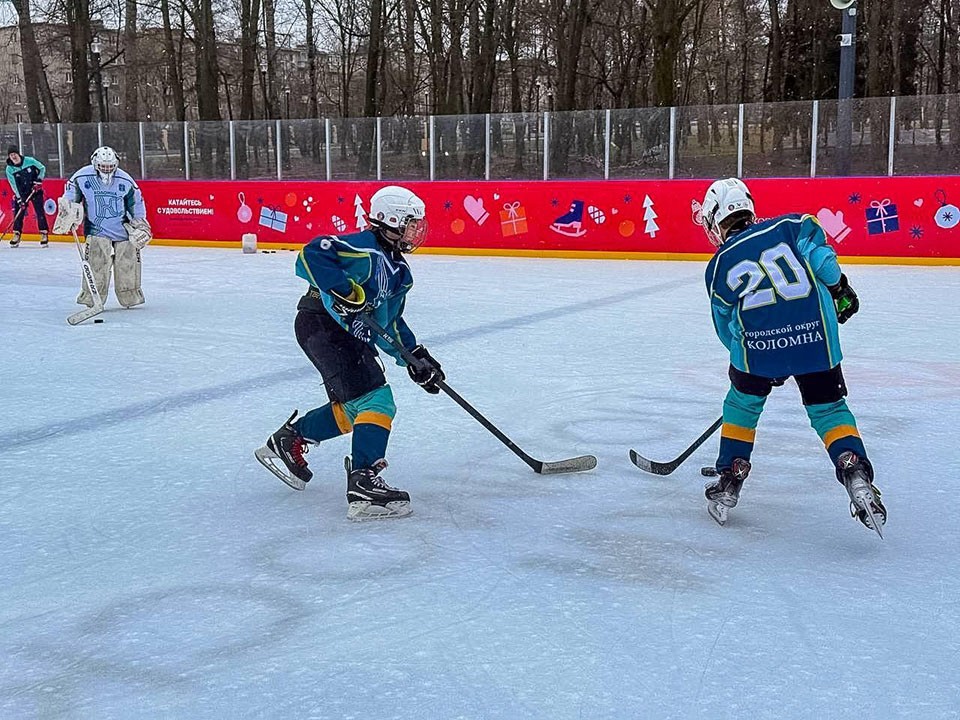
(115, 226)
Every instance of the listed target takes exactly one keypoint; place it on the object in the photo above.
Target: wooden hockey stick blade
(85, 314)
(572, 465)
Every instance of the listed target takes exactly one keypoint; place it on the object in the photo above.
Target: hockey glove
(349, 307)
(845, 298)
(139, 232)
(426, 371)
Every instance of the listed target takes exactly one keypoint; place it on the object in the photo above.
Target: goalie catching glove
(845, 298)
(139, 232)
(426, 371)
(69, 216)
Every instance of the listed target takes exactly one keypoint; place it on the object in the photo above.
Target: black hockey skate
(856, 474)
(370, 498)
(44, 239)
(724, 492)
(288, 447)
(15, 240)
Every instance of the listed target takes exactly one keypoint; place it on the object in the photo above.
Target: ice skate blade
(718, 512)
(360, 510)
(269, 459)
(870, 520)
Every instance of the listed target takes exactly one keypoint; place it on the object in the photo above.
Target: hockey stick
(659, 468)
(571, 465)
(87, 313)
(16, 215)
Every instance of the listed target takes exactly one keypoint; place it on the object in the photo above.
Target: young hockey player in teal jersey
(25, 175)
(777, 293)
(365, 272)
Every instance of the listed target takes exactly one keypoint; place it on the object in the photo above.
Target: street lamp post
(95, 50)
(848, 63)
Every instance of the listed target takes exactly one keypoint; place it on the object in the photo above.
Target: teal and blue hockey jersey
(768, 294)
(330, 262)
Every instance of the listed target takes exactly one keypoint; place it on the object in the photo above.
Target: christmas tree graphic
(650, 216)
(360, 214)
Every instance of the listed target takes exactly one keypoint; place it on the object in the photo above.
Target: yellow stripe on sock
(735, 432)
(340, 415)
(840, 431)
(374, 418)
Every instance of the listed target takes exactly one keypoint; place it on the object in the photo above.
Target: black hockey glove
(349, 308)
(426, 371)
(845, 298)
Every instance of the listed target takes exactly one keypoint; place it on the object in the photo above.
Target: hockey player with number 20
(777, 295)
(115, 225)
(364, 272)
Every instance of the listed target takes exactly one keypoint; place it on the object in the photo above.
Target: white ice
(150, 568)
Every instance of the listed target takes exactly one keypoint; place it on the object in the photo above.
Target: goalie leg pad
(126, 273)
(98, 251)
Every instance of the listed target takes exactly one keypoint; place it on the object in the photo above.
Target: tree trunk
(131, 61)
(249, 23)
(271, 91)
(32, 67)
(174, 76)
(78, 17)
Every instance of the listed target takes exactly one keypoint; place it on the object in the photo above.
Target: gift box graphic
(882, 217)
(513, 219)
(274, 219)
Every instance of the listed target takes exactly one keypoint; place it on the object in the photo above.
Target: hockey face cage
(413, 234)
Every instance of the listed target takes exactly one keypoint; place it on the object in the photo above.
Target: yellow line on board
(571, 254)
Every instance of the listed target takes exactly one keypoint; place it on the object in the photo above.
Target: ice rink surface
(150, 568)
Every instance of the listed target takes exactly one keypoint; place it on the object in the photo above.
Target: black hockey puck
(98, 320)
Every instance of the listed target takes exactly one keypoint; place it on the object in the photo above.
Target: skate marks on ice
(163, 643)
(201, 396)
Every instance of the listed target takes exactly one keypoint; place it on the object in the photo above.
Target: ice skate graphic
(570, 224)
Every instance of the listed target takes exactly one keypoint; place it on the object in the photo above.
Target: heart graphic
(309, 226)
(918, 202)
(475, 209)
(496, 196)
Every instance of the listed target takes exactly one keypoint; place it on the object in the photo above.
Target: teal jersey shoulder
(769, 299)
(333, 263)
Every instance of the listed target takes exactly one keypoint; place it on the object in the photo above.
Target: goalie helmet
(724, 200)
(400, 216)
(105, 161)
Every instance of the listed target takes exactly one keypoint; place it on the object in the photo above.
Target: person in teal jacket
(25, 175)
(364, 272)
(777, 295)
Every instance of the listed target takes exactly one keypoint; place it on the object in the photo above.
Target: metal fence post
(279, 149)
(673, 142)
(546, 145)
(20, 136)
(606, 145)
(486, 145)
(186, 149)
(233, 151)
(814, 132)
(60, 149)
(143, 152)
(100, 134)
(740, 141)
(893, 134)
(433, 164)
(326, 133)
(379, 148)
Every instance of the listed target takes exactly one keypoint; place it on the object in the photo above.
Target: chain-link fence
(867, 136)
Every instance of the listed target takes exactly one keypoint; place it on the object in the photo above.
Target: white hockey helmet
(401, 215)
(725, 199)
(105, 161)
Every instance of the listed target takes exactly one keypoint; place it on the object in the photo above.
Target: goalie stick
(570, 465)
(665, 468)
(86, 313)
